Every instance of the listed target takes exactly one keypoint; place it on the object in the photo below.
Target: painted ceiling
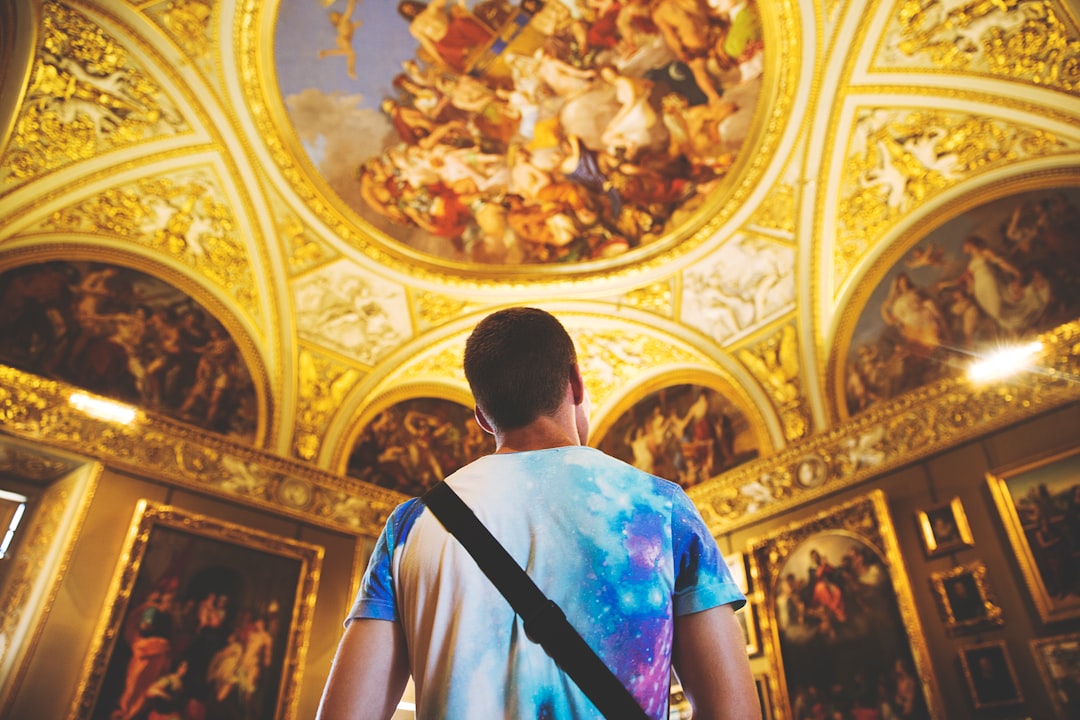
(251, 160)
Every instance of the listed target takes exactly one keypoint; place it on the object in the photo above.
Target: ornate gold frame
(1049, 607)
(931, 542)
(149, 515)
(1052, 673)
(747, 616)
(965, 663)
(991, 612)
(866, 519)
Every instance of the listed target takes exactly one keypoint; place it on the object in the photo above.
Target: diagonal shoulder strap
(545, 622)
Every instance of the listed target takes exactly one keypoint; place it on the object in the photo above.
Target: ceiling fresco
(507, 134)
(777, 194)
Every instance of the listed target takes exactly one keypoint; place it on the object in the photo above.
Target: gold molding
(37, 410)
(892, 435)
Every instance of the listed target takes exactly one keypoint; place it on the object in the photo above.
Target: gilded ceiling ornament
(1028, 40)
(323, 387)
(775, 363)
(436, 308)
(179, 215)
(777, 211)
(656, 298)
(356, 314)
(610, 359)
(749, 281)
(446, 363)
(902, 158)
(86, 97)
(188, 23)
(303, 249)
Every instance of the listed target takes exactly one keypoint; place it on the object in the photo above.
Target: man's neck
(543, 433)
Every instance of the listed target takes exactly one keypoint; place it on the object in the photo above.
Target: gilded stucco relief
(747, 282)
(1033, 41)
(343, 309)
(179, 214)
(323, 385)
(775, 362)
(87, 96)
(901, 158)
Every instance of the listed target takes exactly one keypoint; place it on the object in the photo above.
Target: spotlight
(1003, 362)
(101, 409)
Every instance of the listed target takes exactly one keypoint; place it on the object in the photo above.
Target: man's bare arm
(369, 673)
(710, 660)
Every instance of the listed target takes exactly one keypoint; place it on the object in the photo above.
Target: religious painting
(508, 133)
(1058, 660)
(839, 619)
(1039, 505)
(1001, 272)
(685, 433)
(966, 601)
(944, 528)
(412, 445)
(990, 675)
(204, 619)
(128, 336)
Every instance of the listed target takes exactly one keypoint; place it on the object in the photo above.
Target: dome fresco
(499, 133)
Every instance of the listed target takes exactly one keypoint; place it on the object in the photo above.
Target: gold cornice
(152, 447)
(253, 31)
(894, 434)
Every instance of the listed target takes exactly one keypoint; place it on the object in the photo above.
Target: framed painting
(838, 615)
(736, 563)
(1039, 505)
(990, 675)
(965, 598)
(747, 617)
(204, 618)
(944, 528)
(1058, 660)
(761, 683)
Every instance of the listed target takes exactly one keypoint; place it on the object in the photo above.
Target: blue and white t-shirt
(620, 551)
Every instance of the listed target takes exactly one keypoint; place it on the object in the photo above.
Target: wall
(961, 471)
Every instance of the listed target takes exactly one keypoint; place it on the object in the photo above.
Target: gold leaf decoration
(610, 359)
(435, 309)
(777, 211)
(86, 97)
(323, 387)
(656, 298)
(178, 215)
(1027, 40)
(775, 363)
(902, 158)
(304, 251)
(188, 23)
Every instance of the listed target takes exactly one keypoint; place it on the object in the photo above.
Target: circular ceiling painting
(498, 133)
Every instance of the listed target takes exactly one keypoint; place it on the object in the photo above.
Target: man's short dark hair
(518, 362)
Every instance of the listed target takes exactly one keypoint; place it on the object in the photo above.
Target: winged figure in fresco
(346, 28)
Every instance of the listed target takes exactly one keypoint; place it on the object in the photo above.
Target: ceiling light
(1004, 362)
(101, 409)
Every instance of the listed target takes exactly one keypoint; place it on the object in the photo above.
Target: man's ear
(483, 421)
(577, 384)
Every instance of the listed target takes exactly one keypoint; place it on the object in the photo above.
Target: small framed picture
(736, 563)
(761, 682)
(944, 528)
(747, 617)
(990, 675)
(965, 598)
(1058, 660)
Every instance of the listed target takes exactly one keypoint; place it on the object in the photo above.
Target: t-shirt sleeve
(702, 578)
(376, 599)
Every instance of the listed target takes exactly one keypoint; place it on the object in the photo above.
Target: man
(623, 553)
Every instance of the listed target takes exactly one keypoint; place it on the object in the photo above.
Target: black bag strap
(545, 623)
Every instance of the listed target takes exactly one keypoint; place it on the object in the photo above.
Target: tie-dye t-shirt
(620, 551)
